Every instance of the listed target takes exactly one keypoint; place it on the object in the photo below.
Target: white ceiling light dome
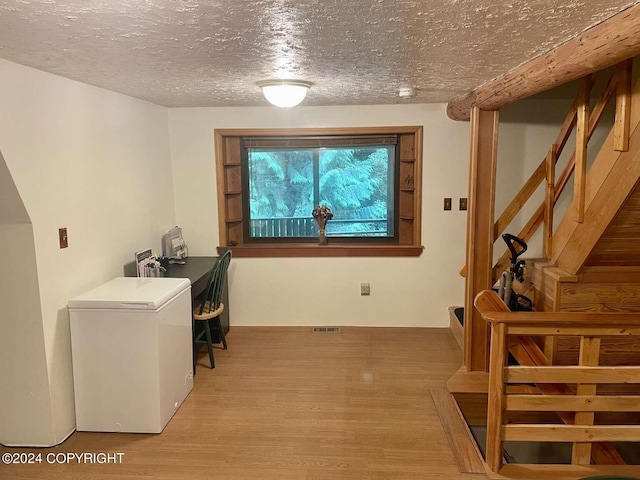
(285, 93)
(406, 92)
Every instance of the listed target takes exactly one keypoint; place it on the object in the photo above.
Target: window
(287, 179)
(269, 181)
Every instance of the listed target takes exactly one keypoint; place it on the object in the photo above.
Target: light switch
(447, 204)
(62, 235)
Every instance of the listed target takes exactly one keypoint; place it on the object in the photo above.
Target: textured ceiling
(211, 53)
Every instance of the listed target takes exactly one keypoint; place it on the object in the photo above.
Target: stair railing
(585, 120)
(576, 406)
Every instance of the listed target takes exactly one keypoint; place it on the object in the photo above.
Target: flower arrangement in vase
(322, 214)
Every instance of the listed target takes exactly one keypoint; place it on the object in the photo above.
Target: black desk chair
(208, 308)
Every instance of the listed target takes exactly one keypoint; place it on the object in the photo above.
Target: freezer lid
(131, 293)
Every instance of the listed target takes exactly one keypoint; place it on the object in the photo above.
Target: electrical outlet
(365, 289)
(62, 235)
(447, 204)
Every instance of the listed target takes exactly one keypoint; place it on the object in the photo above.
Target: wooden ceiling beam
(608, 43)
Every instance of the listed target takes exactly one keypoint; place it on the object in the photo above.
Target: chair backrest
(216, 283)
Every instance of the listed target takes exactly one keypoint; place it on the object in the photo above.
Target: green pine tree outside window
(356, 183)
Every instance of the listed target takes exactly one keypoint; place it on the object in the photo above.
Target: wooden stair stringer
(611, 179)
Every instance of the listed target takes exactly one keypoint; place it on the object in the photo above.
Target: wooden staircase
(610, 182)
(595, 263)
(592, 269)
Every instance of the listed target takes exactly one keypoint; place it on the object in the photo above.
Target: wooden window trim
(229, 191)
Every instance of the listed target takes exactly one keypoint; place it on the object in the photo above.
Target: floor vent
(326, 329)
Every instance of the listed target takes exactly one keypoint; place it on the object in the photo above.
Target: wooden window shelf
(315, 250)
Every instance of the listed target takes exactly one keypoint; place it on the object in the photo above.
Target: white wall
(325, 291)
(93, 161)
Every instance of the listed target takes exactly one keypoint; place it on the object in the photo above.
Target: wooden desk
(196, 269)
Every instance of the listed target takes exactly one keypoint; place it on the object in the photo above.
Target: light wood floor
(285, 404)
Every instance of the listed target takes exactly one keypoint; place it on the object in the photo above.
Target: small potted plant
(322, 215)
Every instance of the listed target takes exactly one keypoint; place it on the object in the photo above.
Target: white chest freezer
(131, 345)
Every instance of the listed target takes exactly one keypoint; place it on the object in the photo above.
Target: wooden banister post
(589, 356)
(549, 200)
(623, 106)
(495, 405)
(582, 137)
(480, 221)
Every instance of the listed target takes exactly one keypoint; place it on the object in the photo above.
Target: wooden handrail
(605, 320)
(521, 198)
(540, 174)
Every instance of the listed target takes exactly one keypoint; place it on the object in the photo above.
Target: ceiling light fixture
(284, 93)
(406, 92)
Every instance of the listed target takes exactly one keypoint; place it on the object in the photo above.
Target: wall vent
(326, 329)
